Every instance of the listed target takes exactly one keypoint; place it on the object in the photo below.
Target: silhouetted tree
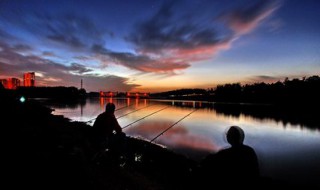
(300, 91)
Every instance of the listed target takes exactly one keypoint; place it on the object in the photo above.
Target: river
(286, 151)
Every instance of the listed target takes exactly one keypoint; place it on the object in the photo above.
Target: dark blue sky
(154, 45)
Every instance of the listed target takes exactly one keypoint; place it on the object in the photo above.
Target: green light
(22, 99)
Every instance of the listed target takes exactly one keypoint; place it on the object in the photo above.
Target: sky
(159, 45)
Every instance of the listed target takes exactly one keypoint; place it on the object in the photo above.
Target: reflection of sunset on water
(176, 137)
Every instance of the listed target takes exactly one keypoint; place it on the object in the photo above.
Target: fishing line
(115, 110)
(145, 117)
(135, 110)
(172, 125)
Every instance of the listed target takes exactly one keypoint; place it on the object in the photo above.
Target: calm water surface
(285, 151)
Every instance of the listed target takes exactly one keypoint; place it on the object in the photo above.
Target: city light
(22, 99)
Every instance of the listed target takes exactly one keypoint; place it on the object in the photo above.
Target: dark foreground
(43, 151)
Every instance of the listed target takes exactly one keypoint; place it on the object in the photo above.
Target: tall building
(10, 83)
(29, 79)
(13, 83)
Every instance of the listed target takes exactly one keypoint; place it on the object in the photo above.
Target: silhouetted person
(237, 163)
(106, 122)
(107, 133)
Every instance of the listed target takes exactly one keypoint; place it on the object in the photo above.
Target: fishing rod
(172, 125)
(135, 110)
(65, 111)
(115, 110)
(145, 117)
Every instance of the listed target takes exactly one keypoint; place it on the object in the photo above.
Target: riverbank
(46, 151)
(49, 152)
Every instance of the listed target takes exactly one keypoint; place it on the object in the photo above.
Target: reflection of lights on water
(22, 99)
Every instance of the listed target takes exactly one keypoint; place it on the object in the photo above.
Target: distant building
(4, 82)
(10, 83)
(13, 83)
(29, 79)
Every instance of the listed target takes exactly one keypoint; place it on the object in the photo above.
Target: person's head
(235, 135)
(110, 107)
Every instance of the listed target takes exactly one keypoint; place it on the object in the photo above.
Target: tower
(29, 79)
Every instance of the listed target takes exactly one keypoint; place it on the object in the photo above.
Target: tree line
(300, 91)
(59, 92)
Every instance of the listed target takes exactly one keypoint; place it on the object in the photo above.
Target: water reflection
(178, 138)
(286, 115)
(287, 145)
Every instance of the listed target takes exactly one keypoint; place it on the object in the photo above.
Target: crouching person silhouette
(107, 134)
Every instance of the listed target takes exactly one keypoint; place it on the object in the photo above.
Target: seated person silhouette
(236, 163)
(107, 133)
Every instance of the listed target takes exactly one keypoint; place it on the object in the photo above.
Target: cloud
(246, 19)
(166, 33)
(83, 58)
(183, 42)
(79, 69)
(13, 64)
(49, 54)
(139, 62)
(21, 48)
(68, 29)
(71, 30)
(165, 43)
(265, 78)
(79, 33)
(272, 79)
(69, 40)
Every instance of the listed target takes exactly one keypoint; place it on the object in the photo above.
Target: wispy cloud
(83, 58)
(166, 35)
(245, 19)
(21, 47)
(49, 54)
(139, 62)
(70, 29)
(265, 77)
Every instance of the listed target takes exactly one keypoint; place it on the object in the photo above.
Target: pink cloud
(243, 21)
(201, 52)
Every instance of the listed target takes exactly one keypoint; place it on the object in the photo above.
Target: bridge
(124, 94)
